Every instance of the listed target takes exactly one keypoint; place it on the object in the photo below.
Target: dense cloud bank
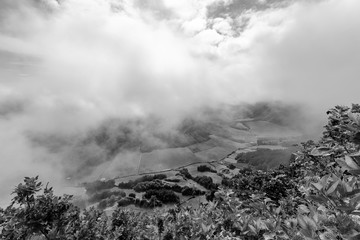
(67, 66)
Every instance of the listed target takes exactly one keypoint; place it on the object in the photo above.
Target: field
(228, 149)
(169, 158)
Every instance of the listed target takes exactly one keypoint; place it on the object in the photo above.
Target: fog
(68, 66)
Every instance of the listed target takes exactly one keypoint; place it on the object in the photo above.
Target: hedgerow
(147, 178)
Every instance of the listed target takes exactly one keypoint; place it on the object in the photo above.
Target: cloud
(306, 53)
(318, 54)
(66, 67)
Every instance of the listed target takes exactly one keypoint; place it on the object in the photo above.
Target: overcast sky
(69, 64)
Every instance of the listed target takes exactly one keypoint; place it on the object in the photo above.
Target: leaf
(260, 224)
(318, 199)
(354, 172)
(356, 237)
(350, 127)
(253, 229)
(205, 228)
(356, 213)
(269, 236)
(332, 188)
(313, 212)
(303, 209)
(356, 157)
(356, 154)
(301, 222)
(321, 152)
(346, 209)
(271, 225)
(355, 200)
(307, 233)
(318, 186)
(310, 222)
(278, 210)
(330, 164)
(343, 164)
(324, 180)
(327, 236)
(355, 117)
(266, 200)
(351, 163)
(352, 193)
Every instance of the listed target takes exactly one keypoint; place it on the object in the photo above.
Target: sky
(68, 65)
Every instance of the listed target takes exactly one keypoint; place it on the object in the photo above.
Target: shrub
(206, 182)
(147, 178)
(137, 201)
(165, 196)
(188, 191)
(205, 168)
(232, 166)
(126, 201)
(156, 185)
(154, 202)
(176, 188)
(185, 173)
(144, 186)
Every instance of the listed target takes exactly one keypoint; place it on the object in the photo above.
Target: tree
(30, 214)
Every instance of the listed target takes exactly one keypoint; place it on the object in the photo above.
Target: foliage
(163, 195)
(185, 173)
(189, 191)
(144, 186)
(147, 178)
(205, 168)
(206, 182)
(231, 166)
(158, 185)
(98, 186)
(276, 184)
(30, 214)
(126, 201)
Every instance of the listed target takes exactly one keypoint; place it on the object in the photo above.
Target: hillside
(211, 140)
(118, 147)
(314, 196)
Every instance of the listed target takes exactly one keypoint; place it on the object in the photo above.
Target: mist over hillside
(88, 86)
(80, 155)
